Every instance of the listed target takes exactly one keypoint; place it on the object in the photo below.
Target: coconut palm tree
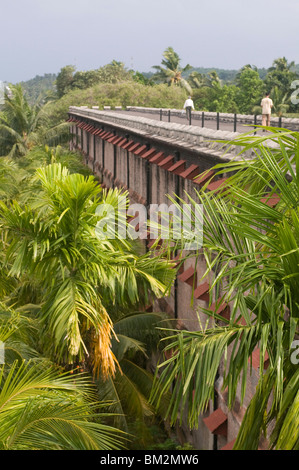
(199, 80)
(171, 72)
(23, 126)
(213, 81)
(250, 243)
(282, 65)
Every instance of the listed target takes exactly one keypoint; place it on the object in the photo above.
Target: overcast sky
(42, 36)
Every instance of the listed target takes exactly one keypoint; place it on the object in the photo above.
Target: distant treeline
(212, 89)
(38, 87)
(41, 85)
(226, 75)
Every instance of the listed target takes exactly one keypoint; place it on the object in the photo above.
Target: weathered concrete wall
(153, 160)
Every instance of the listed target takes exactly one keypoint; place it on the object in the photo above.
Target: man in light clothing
(188, 106)
(266, 105)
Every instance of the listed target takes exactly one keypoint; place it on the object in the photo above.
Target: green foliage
(281, 74)
(119, 94)
(18, 124)
(226, 76)
(142, 78)
(226, 99)
(64, 80)
(244, 93)
(68, 79)
(83, 80)
(155, 438)
(114, 72)
(251, 252)
(250, 90)
(48, 222)
(84, 288)
(171, 72)
(41, 406)
(51, 239)
(281, 102)
(23, 126)
(43, 410)
(211, 94)
(215, 89)
(138, 337)
(39, 88)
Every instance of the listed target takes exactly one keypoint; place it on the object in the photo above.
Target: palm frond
(42, 409)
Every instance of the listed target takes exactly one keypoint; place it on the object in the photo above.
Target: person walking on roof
(266, 105)
(188, 106)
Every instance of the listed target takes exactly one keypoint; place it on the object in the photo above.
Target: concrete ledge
(200, 137)
(195, 138)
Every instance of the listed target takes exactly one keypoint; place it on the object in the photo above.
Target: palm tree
(10, 178)
(280, 101)
(23, 126)
(213, 81)
(282, 64)
(199, 80)
(171, 72)
(281, 74)
(51, 239)
(86, 279)
(251, 235)
(17, 123)
(42, 407)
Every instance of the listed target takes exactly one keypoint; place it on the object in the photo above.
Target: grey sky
(41, 36)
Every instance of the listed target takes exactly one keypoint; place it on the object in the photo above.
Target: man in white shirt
(188, 106)
(266, 105)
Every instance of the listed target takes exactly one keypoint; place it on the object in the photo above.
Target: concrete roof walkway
(182, 119)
